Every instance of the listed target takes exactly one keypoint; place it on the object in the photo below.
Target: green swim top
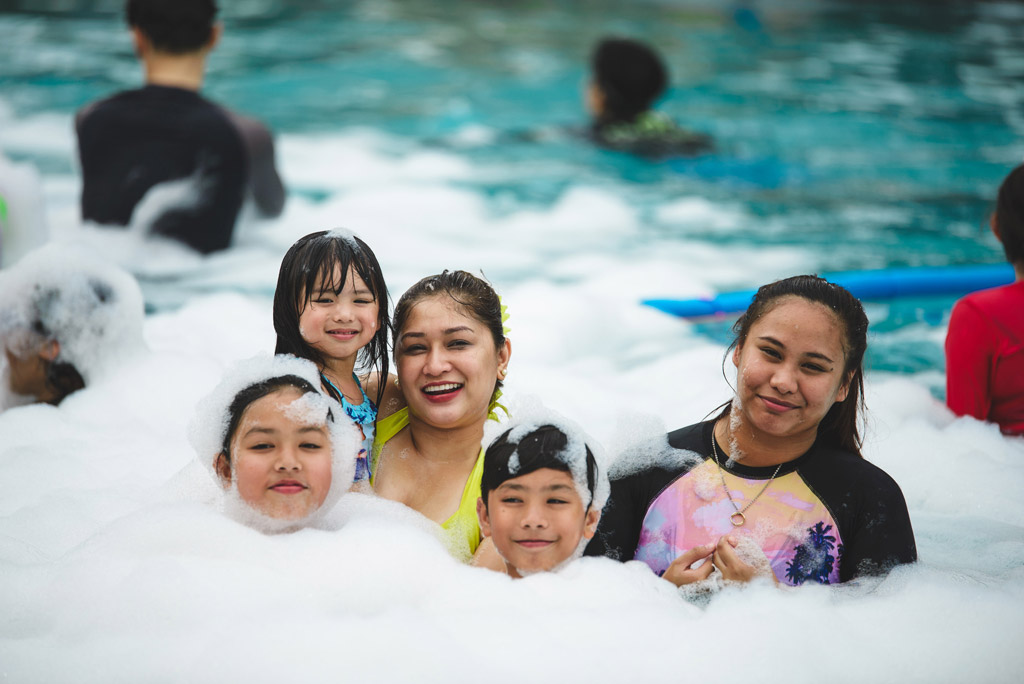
(461, 532)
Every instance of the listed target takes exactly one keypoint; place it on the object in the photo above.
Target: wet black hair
(538, 449)
(173, 26)
(1009, 216)
(631, 76)
(475, 295)
(839, 428)
(254, 392)
(308, 267)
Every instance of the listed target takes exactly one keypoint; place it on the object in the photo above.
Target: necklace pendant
(737, 519)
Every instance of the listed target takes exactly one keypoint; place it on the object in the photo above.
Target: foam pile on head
(219, 416)
(94, 310)
(544, 439)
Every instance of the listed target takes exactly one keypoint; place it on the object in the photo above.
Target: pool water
(851, 135)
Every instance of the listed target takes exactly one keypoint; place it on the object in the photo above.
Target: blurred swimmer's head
(1008, 219)
(316, 272)
(174, 26)
(831, 387)
(540, 497)
(282, 451)
(627, 76)
(450, 348)
(63, 319)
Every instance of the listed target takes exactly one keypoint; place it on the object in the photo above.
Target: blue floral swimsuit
(364, 415)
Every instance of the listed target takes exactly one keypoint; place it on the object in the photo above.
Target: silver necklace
(738, 518)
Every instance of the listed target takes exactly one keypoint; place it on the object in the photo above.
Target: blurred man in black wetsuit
(165, 131)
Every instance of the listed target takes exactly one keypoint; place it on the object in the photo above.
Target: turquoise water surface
(871, 134)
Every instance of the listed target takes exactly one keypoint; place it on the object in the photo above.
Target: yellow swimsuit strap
(463, 522)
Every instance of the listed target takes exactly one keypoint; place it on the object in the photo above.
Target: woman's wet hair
(540, 448)
(173, 26)
(309, 267)
(839, 427)
(255, 392)
(631, 76)
(475, 295)
(1010, 215)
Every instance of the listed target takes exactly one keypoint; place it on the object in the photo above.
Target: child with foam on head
(282, 451)
(541, 496)
(67, 319)
(331, 307)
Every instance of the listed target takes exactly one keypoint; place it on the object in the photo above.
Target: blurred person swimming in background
(541, 495)
(66, 319)
(985, 340)
(331, 307)
(452, 355)
(627, 78)
(775, 485)
(282, 451)
(139, 141)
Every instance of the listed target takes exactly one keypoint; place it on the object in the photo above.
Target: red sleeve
(969, 350)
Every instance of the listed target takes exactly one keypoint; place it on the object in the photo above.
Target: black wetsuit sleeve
(869, 509)
(618, 531)
(265, 186)
(880, 536)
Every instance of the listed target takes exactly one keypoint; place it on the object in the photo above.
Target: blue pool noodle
(889, 283)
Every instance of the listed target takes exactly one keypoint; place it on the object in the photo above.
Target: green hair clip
(504, 317)
(492, 410)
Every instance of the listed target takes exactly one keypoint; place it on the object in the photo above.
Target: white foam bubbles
(90, 307)
(211, 422)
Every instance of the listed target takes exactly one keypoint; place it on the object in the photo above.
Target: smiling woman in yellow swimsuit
(451, 355)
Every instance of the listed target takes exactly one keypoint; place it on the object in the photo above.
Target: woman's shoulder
(838, 468)
(654, 462)
(692, 437)
(392, 401)
(993, 302)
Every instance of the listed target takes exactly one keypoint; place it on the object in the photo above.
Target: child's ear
(590, 522)
(49, 350)
(222, 467)
(481, 514)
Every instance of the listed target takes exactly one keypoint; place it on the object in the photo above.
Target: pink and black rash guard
(827, 517)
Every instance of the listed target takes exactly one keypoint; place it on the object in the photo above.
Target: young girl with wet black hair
(331, 307)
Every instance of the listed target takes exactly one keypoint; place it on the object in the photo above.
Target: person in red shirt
(985, 341)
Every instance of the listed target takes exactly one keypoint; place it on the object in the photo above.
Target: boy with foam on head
(541, 496)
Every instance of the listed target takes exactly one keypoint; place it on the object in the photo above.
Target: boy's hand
(680, 572)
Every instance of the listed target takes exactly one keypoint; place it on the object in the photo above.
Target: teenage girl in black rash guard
(779, 469)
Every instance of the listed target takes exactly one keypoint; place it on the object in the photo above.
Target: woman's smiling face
(448, 364)
(790, 369)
